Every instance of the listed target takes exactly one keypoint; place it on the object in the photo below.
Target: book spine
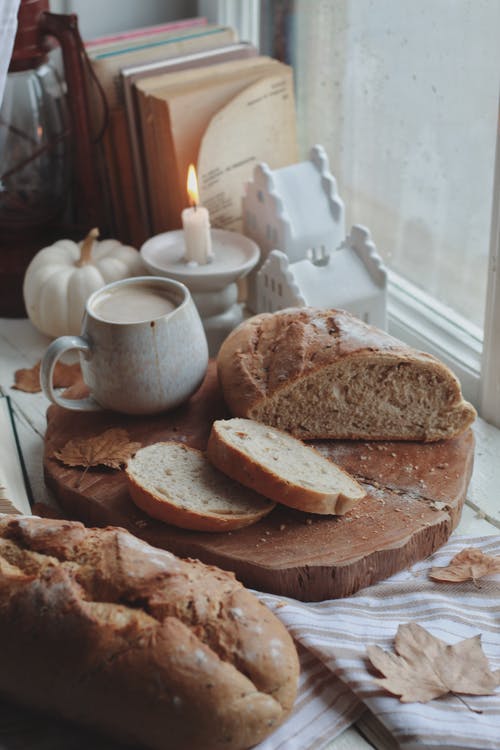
(167, 170)
(186, 23)
(150, 159)
(151, 43)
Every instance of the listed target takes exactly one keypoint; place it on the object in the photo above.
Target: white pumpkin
(61, 277)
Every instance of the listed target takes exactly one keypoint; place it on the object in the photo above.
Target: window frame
(242, 16)
(489, 403)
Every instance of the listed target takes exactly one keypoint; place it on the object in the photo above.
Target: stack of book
(181, 93)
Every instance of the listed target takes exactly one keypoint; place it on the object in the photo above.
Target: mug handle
(56, 349)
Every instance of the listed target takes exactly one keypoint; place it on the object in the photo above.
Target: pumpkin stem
(86, 248)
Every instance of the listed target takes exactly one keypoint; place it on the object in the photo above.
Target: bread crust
(269, 353)
(237, 465)
(104, 630)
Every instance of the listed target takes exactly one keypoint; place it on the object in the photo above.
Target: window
(404, 98)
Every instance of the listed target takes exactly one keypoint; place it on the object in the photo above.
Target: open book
(14, 488)
(225, 119)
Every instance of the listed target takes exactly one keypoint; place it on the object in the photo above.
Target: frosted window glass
(404, 98)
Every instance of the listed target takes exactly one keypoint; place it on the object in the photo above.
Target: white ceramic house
(292, 209)
(352, 277)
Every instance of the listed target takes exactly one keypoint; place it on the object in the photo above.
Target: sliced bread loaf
(177, 484)
(281, 467)
(326, 374)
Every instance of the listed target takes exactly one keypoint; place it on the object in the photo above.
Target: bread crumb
(282, 527)
(309, 521)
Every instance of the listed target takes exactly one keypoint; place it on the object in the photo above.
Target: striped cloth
(336, 633)
(325, 706)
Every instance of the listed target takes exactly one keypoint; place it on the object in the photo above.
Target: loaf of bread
(178, 484)
(325, 374)
(102, 629)
(281, 467)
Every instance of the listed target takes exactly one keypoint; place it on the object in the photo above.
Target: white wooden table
(22, 346)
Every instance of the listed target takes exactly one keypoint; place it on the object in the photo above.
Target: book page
(176, 81)
(13, 494)
(258, 125)
(191, 114)
(165, 190)
(190, 100)
(131, 75)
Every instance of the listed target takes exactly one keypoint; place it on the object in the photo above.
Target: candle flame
(192, 186)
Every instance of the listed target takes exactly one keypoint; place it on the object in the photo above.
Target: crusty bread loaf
(325, 374)
(178, 484)
(100, 628)
(281, 467)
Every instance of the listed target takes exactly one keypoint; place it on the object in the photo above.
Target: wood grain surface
(415, 494)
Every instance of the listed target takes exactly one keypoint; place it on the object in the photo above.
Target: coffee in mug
(132, 304)
(143, 349)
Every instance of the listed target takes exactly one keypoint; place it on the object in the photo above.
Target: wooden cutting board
(415, 497)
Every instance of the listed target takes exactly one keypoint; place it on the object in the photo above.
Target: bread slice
(322, 374)
(281, 467)
(177, 484)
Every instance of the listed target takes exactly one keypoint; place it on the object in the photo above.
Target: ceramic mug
(142, 348)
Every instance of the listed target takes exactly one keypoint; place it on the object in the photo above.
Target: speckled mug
(143, 367)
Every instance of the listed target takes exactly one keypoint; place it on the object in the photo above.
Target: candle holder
(212, 285)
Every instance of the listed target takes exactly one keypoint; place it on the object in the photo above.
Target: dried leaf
(66, 375)
(469, 564)
(111, 448)
(77, 390)
(426, 667)
(28, 380)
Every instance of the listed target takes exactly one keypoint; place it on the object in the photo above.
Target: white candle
(196, 225)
